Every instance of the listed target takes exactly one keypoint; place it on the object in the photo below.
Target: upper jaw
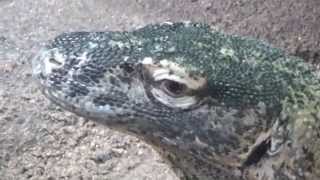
(45, 62)
(47, 66)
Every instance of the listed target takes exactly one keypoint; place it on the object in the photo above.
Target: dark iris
(174, 88)
(127, 67)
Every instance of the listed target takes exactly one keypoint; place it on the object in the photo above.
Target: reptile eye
(173, 88)
(127, 67)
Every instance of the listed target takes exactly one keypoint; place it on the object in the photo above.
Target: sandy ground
(41, 141)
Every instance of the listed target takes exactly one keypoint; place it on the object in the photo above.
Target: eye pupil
(127, 67)
(175, 87)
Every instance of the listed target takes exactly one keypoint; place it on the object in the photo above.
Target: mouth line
(84, 107)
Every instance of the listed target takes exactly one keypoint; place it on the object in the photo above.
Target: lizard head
(200, 96)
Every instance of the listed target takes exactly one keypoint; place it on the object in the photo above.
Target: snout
(75, 71)
(45, 63)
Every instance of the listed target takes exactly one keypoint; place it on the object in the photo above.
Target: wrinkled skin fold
(215, 106)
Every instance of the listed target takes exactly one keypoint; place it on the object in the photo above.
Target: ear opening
(258, 152)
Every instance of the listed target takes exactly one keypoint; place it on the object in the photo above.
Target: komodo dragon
(215, 106)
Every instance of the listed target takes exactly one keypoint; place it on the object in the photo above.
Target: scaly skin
(215, 106)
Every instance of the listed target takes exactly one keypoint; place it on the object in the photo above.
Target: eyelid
(158, 73)
(183, 102)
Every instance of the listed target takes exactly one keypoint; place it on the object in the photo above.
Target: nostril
(46, 61)
(54, 61)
